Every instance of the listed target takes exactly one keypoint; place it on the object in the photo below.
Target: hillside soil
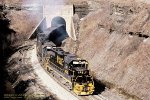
(114, 38)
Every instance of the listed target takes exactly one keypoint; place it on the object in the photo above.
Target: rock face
(115, 41)
(6, 38)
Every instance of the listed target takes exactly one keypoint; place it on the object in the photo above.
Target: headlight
(90, 84)
(79, 88)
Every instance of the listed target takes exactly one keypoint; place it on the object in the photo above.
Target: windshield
(79, 65)
(83, 79)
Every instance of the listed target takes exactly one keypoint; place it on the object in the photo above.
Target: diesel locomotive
(72, 68)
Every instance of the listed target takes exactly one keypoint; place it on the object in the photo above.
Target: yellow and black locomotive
(73, 69)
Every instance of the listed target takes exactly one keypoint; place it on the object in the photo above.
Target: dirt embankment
(5, 41)
(18, 79)
(115, 41)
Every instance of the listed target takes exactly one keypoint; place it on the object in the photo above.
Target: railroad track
(99, 97)
(94, 97)
(57, 78)
(63, 83)
(53, 74)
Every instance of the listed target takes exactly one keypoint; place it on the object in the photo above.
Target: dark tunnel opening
(56, 21)
(58, 35)
(57, 32)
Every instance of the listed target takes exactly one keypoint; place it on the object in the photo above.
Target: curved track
(55, 84)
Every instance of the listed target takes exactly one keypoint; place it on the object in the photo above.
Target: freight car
(72, 68)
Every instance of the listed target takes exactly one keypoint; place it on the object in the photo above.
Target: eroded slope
(115, 41)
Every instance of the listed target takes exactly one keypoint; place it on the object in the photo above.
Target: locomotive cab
(83, 83)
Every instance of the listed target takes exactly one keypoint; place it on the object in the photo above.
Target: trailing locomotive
(69, 66)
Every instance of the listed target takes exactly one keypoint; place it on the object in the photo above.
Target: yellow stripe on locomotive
(59, 60)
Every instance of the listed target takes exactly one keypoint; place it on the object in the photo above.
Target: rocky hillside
(115, 40)
(18, 79)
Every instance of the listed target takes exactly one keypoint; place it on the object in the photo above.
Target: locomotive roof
(68, 57)
(60, 51)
